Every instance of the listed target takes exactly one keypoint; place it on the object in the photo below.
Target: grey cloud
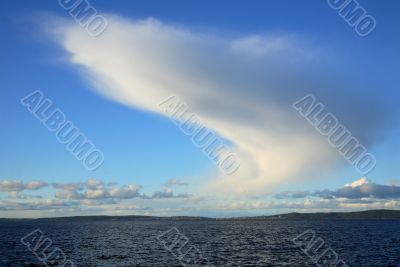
(293, 194)
(18, 186)
(368, 190)
(20, 195)
(358, 190)
(130, 191)
(174, 182)
(96, 189)
(94, 184)
(167, 193)
(395, 182)
(98, 202)
(93, 194)
(37, 205)
(69, 194)
(69, 186)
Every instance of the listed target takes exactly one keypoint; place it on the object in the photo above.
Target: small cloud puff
(18, 186)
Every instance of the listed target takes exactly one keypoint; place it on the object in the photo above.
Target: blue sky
(312, 48)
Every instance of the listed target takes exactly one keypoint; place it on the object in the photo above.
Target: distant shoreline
(355, 215)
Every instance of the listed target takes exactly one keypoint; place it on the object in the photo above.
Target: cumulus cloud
(93, 192)
(94, 184)
(130, 191)
(244, 98)
(69, 186)
(94, 195)
(47, 204)
(107, 198)
(174, 182)
(362, 191)
(18, 186)
(167, 193)
(19, 195)
(362, 188)
(293, 194)
(96, 189)
(68, 194)
(308, 204)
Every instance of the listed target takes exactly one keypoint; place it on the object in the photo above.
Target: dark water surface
(223, 242)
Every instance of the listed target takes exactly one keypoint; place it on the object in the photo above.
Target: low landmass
(358, 215)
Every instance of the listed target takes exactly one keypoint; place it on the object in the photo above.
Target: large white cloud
(241, 87)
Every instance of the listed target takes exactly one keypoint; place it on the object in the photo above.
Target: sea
(197, 242)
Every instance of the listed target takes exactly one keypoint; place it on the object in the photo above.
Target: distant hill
(108, 218)
(358, 215)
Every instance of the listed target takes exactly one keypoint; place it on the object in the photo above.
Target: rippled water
(243, 243)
